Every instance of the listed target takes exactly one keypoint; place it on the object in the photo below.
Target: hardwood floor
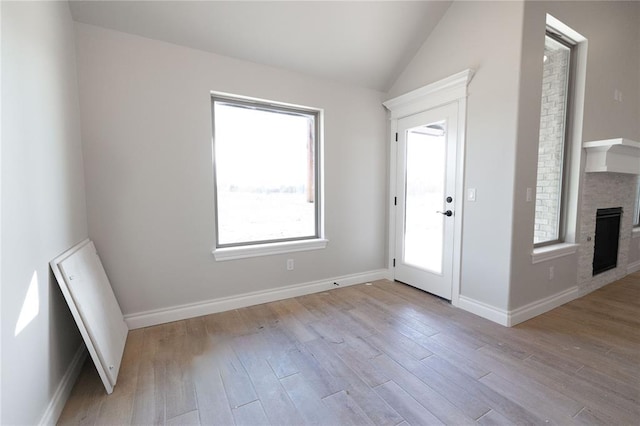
(383, 354)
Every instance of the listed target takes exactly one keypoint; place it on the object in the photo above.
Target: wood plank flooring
(380, 354)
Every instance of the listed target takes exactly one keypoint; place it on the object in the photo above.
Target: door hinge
(396, 136)
(395, 201)
(394, 262)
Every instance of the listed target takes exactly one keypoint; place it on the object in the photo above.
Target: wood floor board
(213, 404)
(361, 393)
(236, 381)
(190, 418)
(413, 412)
(346, 410)
(587, 392)
(534, 398)
(458, 395)
(275, 402)
(320, 380)
(429, 398)
(308, 402)
(84, 409)
(497, 401)
(391, 335)
(250, 414)
(493, 418)
(381, 354)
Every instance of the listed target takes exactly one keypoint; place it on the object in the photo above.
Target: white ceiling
(366, 43)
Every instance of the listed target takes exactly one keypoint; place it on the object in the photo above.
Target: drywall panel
(43, 206)
(88, 292)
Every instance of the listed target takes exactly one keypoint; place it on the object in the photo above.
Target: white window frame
(281, 246)
(560, 38)
(572, 217)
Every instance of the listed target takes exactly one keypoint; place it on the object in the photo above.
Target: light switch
(471, 194)
(529, 195)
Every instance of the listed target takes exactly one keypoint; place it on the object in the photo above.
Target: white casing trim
(451, 89)
(212, 306)
(59, 398)
(430, 96)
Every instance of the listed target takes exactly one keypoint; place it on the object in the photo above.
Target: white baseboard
(483, 310)
(59, 399)
(521, 314)
(633, 267)
(541, 306)
(191, 310)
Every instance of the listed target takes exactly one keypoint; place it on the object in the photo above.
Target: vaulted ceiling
(366, 43)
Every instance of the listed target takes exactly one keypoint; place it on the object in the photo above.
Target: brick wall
(550, 149)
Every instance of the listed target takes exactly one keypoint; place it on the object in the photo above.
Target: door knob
(448, 213)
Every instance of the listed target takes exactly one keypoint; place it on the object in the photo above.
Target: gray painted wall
(468, 36)
(146, 121)
(611, 29)
(43, 200)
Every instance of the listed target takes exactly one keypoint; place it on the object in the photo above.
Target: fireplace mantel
(613, 155)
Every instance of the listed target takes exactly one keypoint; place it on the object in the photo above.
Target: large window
(552, 149)
(266, 167)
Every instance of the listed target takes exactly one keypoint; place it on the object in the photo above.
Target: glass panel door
(425, 214)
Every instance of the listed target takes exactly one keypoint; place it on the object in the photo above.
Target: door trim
(452, 89)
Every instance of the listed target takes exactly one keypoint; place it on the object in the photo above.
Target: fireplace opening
(605, 254)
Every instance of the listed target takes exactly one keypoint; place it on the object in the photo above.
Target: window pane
(555, 82)
(424, 196)
(265, 174)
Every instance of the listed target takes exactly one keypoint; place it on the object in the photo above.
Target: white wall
(43, 201)
(611, 29)
(485, 36)
(146, 122)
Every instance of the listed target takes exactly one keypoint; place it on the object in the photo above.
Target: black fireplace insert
(605, 254)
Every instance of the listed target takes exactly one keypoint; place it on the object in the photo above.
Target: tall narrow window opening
(553, 139)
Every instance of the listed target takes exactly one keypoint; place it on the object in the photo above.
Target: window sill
(242, 252)
(554, 251)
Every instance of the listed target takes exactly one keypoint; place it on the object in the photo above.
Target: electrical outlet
(290, 265)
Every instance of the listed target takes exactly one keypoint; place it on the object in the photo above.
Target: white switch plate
(471, 194)
(290, 265)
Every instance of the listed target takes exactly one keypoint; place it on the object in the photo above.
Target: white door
(88, 292)
(425, 216)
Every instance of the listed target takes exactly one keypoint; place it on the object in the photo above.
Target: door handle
(448, 213)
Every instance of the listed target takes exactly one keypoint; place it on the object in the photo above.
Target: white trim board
(541, 306)
(521, 314)
(61, 395)
(212, 306)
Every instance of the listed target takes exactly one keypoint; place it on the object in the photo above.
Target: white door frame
(452, 89)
